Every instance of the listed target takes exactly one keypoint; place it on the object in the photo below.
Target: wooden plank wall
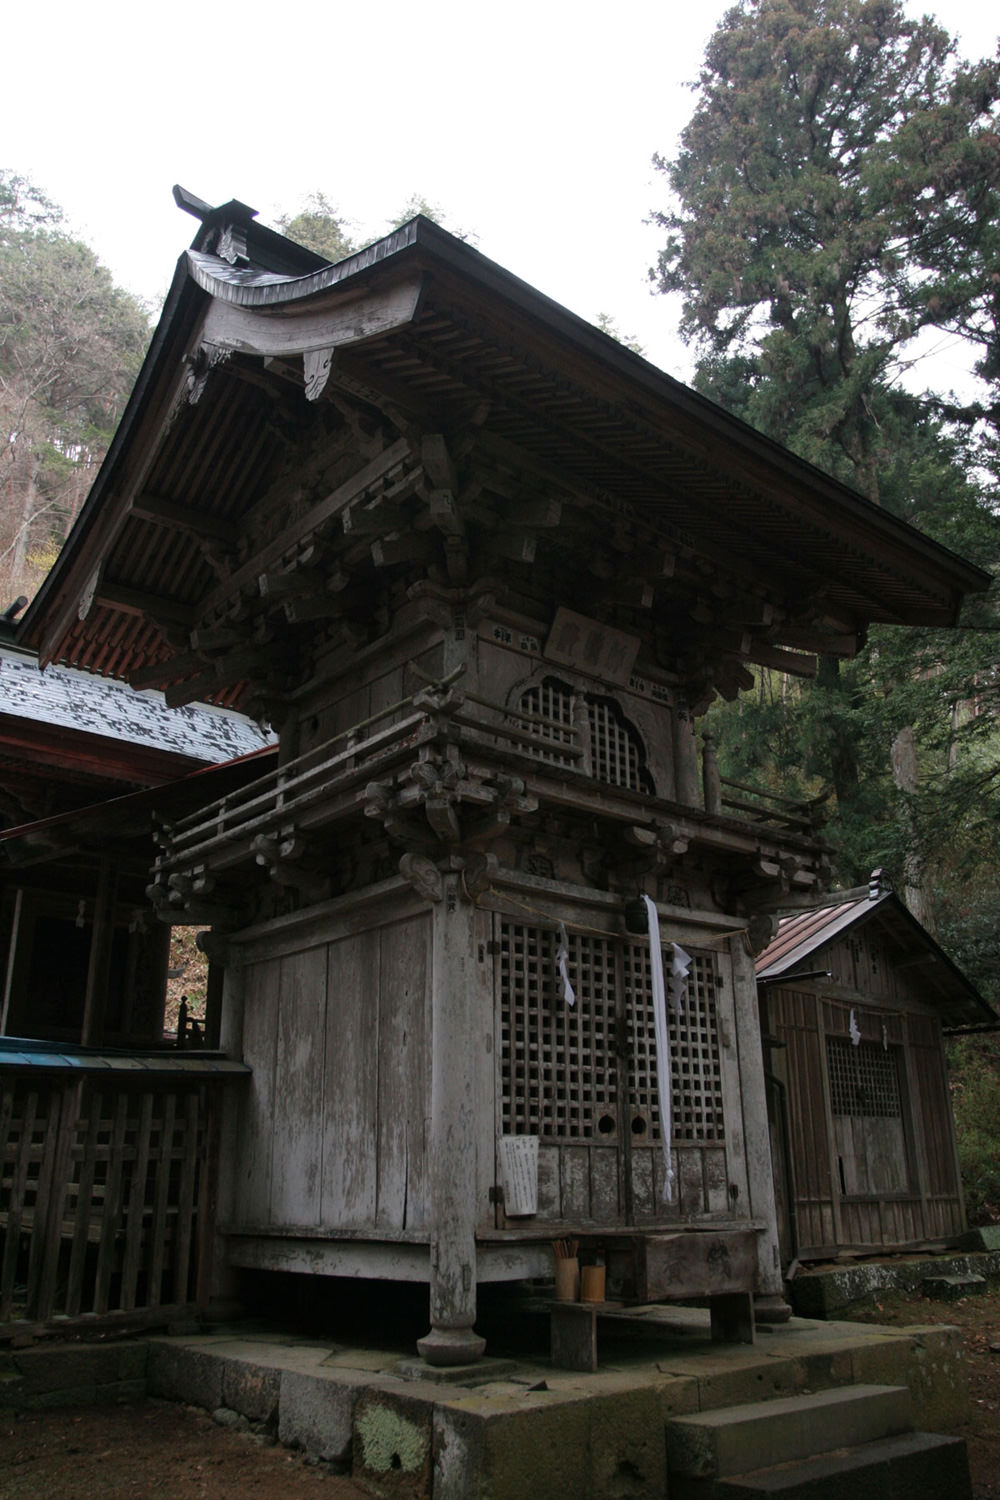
(333, 1130)
(944, 1207)
(794, 1020)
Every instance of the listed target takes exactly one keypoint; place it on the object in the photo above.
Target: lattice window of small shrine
(867, 1106)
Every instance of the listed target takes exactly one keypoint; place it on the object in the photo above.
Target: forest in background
(833, 208)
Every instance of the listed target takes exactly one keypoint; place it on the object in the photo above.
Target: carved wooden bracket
(442, 786)
(423, 874)
(761, 930)
(285, 856)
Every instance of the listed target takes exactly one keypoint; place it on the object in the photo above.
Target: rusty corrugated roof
(802, 933)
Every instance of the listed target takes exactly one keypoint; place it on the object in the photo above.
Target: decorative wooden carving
(423, 874)
(316, 365)
(200, 366)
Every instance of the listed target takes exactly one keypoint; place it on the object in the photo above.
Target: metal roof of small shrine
(435, 337)
(802, 936)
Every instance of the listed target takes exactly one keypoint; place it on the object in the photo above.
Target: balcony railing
(335, 778)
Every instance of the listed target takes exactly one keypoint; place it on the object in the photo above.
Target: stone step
(914, 1466)
(738, 1439)
(951, 1288)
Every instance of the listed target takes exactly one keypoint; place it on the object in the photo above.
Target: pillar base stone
(451, 1346)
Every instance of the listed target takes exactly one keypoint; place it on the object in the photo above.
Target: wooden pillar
(685, 756)
(756, 1131)
(711, 781)
(218, 1280)
(99, 962)
(460, 997)
(15, 932)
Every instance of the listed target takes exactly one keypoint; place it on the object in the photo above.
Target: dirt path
(152, 1448)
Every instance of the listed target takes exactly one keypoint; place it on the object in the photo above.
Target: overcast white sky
(531, 125)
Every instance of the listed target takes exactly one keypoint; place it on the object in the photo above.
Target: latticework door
(583, 1078)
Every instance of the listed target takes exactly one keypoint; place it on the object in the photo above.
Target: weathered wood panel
(934, 1105)
(643, 1182)
(549, 1193)
(299, 1089)
(690, 1183)
(575, 1182)
(871, 1155)
(260, 1042)
(793, 1020)
(350, 1104)
(605, 1198)
(404, 1074)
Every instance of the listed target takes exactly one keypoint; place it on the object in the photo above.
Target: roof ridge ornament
(224, 229)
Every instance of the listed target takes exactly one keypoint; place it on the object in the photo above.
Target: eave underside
(633, 475)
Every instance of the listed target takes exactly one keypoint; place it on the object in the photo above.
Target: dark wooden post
(685, 756)
(99, 963)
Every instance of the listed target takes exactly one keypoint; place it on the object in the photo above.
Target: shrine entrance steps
(852, 1442)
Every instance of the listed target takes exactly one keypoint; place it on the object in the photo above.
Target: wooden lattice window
(615, 752)
(864, 1080)
(559, 1070)
(551, 705)
(695, 1067)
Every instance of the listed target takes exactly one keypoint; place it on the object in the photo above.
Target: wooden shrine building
(482, 568)
(856, 997)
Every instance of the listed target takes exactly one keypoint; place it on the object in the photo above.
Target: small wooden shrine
(482, 568)
(856, 997)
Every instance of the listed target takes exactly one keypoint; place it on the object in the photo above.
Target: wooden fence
(106, 1186)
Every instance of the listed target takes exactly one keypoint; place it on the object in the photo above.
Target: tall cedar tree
(837, 191)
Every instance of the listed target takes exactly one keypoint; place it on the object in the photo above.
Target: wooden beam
(437, 462)
(198, 522)
(154, 607)
(795, 663)
(802, 638)
(156, 674)
(406, 546)
(194, 690)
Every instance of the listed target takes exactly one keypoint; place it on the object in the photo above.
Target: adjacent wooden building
(856, 998)
(482, 568)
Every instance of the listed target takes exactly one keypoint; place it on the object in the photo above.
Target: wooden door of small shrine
(583, 1078)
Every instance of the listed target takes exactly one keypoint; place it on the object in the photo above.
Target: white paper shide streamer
(855, 1030)
(679, 968)
(562, 964)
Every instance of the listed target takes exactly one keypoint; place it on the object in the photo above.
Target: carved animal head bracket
(458, 804)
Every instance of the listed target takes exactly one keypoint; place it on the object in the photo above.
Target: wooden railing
(104, 1182)
(308, 788)
(772, 809)
(319, 786)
